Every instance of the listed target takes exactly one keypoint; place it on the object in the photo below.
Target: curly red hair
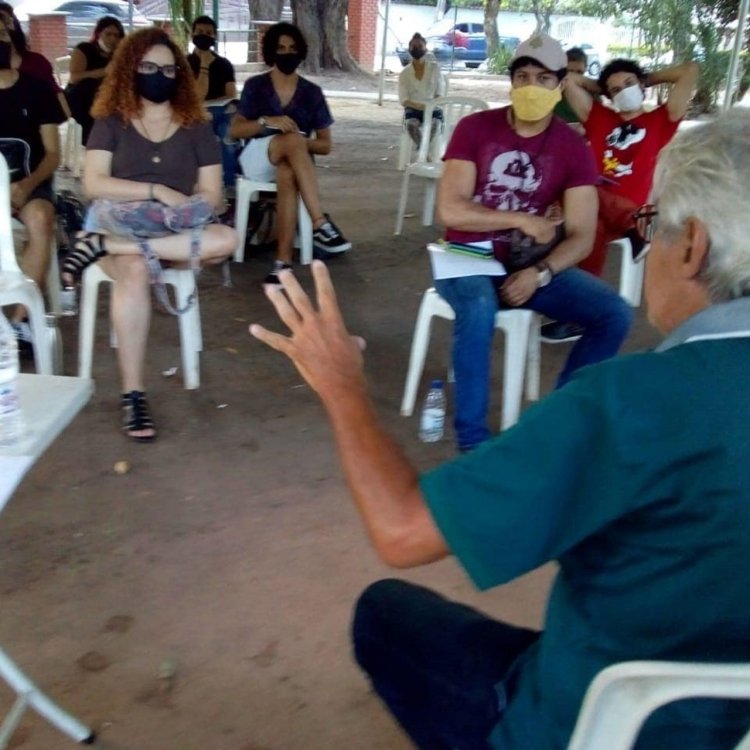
(117, 94)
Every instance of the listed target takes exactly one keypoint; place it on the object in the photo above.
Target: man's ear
(696, 247)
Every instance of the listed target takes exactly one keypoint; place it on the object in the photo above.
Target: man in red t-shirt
(626, 142)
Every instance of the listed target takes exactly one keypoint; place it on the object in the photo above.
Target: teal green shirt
(635, 477)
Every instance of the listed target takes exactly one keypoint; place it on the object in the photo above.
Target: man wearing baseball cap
(521, 178)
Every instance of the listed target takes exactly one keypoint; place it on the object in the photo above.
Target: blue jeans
(220, 119)
(573, 296)
(438, 665)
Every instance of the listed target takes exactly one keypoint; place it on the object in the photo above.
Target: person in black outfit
(30, 144)
(88, 66)
(215, 81)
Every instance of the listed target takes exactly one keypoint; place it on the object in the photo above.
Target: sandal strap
(86, 250)
(136, 415)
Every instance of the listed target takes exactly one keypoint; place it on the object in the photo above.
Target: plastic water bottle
(432, 419)
(11, 419)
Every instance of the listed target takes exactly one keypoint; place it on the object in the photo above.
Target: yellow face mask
(532, 103)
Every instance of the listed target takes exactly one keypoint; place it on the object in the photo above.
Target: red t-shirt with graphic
(516, 173)
(625, 151)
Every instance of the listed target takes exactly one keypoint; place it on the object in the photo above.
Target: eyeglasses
(646, 221)
(149, 68)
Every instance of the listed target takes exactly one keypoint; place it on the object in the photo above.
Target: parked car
(475, 51)
(83, 15)
(593, 59)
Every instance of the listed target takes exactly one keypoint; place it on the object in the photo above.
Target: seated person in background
(577, 62)
(279, 112)
(633, 477)
(418, 83)
(151, 148)
(88, 66)
(31, 63)
(215, 80)
(627, 142)
(508, 169)
(30, 142)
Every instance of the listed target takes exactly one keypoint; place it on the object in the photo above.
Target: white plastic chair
(631, 274)
(405, 142)
(454, 108)
(191, 339)
(73, 133)
(622, 696)
(522, 354)
(249, 191)
(30, 697)
(17, 289)
(53, 272)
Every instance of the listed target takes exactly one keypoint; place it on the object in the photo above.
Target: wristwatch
(545, 273)
(262, 121)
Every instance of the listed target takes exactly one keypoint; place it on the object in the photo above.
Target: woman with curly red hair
(153, 170)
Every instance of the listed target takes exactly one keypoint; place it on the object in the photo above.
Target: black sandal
(136, 417)
(87, 249)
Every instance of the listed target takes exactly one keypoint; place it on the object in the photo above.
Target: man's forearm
(468, 216)
(383, 483)
(672, 74)
(570, 252)
(45, 170)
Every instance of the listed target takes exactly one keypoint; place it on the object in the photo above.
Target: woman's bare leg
(292, 149)
(286, 211)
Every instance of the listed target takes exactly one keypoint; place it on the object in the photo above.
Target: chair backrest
(62, 69)
(453, 109)
(622, 696)
(8, 260)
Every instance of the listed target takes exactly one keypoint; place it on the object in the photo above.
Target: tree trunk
(323, 24)
(491, 9)
(265, 10)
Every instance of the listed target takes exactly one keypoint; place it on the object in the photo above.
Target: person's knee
(220, 242)
(285, 179)
(378, 598)
(38, 217)
(131, 273)
(620, 317)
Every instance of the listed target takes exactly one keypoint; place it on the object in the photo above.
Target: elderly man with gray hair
(634, 477)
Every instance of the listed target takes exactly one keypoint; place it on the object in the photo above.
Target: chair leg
(428, 210)
(190, 334)
(402, 203)
(417, 355)
(242, 212)
(631, 274)
(43, 343)
(533, 360)
(404, 151)
(305, 232)
(516, 328)
(53, 280)
(87, 324)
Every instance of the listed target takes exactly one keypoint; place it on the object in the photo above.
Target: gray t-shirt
(174, 162)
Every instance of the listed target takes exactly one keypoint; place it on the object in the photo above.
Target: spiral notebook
(452, 263)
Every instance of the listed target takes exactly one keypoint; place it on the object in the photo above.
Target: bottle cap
(436, 384)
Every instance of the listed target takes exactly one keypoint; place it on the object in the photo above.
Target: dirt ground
(202, 600)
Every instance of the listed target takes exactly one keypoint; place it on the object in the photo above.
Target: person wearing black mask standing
(153, 172)
(215, 81)
(279, 112)
(418, 83)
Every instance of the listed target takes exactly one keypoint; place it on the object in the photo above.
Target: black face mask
(417, 53)
(203, 42)
(288, 63)
(155, 87)
(5, 53)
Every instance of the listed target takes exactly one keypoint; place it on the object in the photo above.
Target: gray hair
(704, 173)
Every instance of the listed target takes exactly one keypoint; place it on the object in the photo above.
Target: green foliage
(181, 15)
(500, 61)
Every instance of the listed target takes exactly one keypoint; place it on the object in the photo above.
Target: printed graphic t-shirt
(625, 151)
(516, 173)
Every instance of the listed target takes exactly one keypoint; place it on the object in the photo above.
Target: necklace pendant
(156, 158)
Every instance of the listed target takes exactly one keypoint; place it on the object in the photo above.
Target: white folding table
(49, 403)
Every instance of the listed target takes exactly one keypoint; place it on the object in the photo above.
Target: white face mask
(629, 99)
